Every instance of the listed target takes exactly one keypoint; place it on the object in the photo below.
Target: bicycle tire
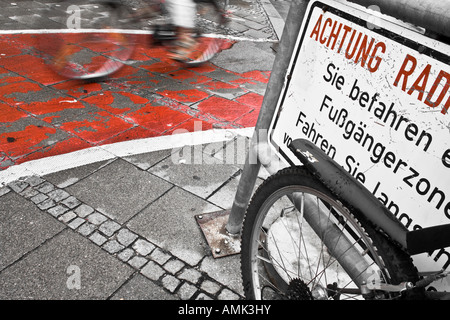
(93, 43)
(270, 265)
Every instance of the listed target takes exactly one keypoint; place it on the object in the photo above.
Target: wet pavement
(101, 182)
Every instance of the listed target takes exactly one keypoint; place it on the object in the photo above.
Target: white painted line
(53, 164)
(275, 18)
(53, 31)
(78, 158)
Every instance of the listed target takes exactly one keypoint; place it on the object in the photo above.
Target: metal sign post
(222, 229)
(259, 141)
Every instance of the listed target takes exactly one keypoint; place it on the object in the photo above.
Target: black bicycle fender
(428, 239)
(348, 189)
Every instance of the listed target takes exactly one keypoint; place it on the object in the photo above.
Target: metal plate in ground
(219, 240)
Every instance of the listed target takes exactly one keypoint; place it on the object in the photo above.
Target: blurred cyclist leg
(183, 16)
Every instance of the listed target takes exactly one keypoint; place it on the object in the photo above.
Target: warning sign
(373, 93)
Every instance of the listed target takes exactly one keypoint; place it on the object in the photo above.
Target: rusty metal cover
(219, 240)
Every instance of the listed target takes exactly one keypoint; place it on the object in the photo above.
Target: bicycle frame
(358, 197)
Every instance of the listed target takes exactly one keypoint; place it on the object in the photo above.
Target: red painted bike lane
(43, 114)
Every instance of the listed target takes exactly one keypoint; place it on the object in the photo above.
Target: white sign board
(373, 94)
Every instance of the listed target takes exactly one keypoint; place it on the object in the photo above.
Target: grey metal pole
(431, 14)
(253, 164)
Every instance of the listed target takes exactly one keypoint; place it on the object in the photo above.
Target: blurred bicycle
(101, 35)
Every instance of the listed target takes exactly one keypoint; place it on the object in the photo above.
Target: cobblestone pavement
(120, 225)
(140, 256)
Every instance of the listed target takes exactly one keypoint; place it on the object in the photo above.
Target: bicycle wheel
(211, 22)
(92, 43)
(300, 242)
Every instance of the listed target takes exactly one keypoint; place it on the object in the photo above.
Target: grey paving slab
(169, 223)
(10, 24)
(50, 271)
(146, 160)
(282, 7)
(224, 197)
(36, 20)
(246, 56)
(23, 227)
(141, 288)
(66, 178)
(120, 198)
(227, 270)
(195, 171)
(234, 152)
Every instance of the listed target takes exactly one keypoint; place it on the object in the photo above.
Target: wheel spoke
(308, 244)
